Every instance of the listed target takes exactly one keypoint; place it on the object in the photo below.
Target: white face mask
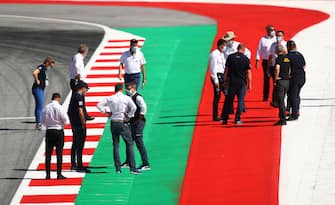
(129, 93)
(279, 38)
(230, 43)
(273, 33)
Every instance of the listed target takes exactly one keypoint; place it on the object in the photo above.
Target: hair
(55, 96)
(132, 84)
(280, 48)
(220, 42)
(240, 46)
(132, 41)
(49, 59)
(280, 31)
(267, 27)
(118, 87)
(291, 45)
(82, 48)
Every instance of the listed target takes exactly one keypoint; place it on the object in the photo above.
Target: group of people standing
(231, 74)
(126, 111)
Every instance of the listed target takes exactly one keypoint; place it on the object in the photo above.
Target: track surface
(25, 44)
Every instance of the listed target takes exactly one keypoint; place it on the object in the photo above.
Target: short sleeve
(80, 101)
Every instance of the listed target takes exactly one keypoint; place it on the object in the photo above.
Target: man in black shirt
(282, 81)
(297, 80)
(78, 122)
(238, 76)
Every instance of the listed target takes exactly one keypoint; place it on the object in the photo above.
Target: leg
(216, 99)
(266, 80)
(81, 143)
(138, 136)
(38, 94)
(74, 147)
(126, 135)
(59, 151)
(115, 127)
(281, 89)
(48, 152)
(240, 97)
(228, 103)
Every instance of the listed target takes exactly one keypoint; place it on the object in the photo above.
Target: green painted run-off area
(176, 65)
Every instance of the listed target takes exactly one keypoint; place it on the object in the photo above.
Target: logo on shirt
(286, 60)
(80, 103)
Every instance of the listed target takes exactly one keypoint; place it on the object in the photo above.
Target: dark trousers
(134, 77)
(281, 89)
(137, 128)
(274, 99)
(117, 129)
(78, 142)
(294, 95)
(234, 90)
(266, 80)
(216, 97)
(54, 138)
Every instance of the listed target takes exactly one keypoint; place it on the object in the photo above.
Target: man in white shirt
(121, 109)
(77, 66)
(54, 117)
(272, 61)
(217, 63)
(231, 46)
(133, 62)
(263, 52)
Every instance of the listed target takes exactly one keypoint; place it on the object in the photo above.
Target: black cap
(290, 43)
(82, 84)
(133, 40)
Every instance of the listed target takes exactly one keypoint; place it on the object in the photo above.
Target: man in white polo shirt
(133, 62)
(263, 52)
(77, 66)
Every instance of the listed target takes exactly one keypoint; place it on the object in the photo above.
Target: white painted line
(92, 109)
(98, 120)
(114, 50)
(94, 98)
(101, 72)
(104, 80)
(53, 174)
(53, 190)
(67, 158)
(91, 131)
(52, 204)
(102, 89)
(89, 144)
(17, 118)
(110, 57)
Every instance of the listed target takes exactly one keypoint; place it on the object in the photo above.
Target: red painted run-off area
(234, 165)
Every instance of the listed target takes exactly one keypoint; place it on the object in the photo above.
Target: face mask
(129, 93)
(230, 43)
(279, 38)
(133, 49)
(273, 33)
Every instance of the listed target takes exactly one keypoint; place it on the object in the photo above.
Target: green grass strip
(176, 65)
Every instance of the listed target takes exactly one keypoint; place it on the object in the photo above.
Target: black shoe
(280, 122)
(265, 99)
(292, 118)
(136, 172)
(83, 169)
(89, 118)
(273, 105)
(224, 122)
(124, 165)
(48, 176)
(61, 177)
(216, 119)
(144, 167)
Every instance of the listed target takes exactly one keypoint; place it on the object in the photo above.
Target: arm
(249, 79)
(120, 70)
(277, 70)
(212, 67)
(77, 65)
(64, 116)
(132, 108)
(143, 106)
(258, 53)
(101, 106)
(35, 75)
(144, 81)
(82, 117)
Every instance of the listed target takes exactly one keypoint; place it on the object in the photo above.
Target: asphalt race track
(24, 45)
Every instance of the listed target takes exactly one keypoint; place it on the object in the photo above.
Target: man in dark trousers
(239, 74)
(78, 122)
(54, 117)
(297, 81)
(137, 124)
(282, 81)
(121, 109)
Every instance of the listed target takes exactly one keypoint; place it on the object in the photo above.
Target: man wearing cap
(231, 46)
(263, 52)
(54, 117)
(282, 81)
(121, 109)
(237, 76)
(217, 62)
(133, 62)
(78, 123)
(297, 80)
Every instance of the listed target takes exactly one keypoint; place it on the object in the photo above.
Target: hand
(120, 76)
(38, 82)
(249, 88)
